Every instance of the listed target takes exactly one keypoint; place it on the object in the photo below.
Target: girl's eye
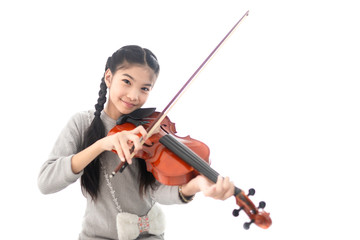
(146, 89)
(126, 81)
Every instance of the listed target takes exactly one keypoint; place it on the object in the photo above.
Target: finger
(230, 192)
(226, 183)
(119, 151)
(219, 187)
(135, 143)
(125, 149)
(228, 188)
(224, 188)
(140, 129)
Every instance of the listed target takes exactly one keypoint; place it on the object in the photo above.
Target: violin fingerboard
(189, 156)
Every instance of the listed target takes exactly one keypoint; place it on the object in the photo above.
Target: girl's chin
(118, 112)
(121, 110)
(127, 110)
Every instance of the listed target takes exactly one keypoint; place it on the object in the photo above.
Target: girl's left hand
(221, 190)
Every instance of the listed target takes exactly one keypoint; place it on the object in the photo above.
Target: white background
(278, 105)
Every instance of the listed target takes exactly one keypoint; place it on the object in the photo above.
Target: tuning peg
(262, 205)
(251, 192)
(236, 212)
(247, 224)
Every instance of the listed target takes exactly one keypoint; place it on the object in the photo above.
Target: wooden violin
(175, 160)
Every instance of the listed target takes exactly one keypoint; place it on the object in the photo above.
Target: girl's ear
(108, 77)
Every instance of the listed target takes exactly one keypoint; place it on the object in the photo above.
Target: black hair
(130, 54)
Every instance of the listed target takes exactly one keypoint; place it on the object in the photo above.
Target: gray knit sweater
(100, 216)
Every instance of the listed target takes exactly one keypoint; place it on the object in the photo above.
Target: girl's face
(129, 88)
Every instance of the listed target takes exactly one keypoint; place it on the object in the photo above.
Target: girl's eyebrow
(127, 75)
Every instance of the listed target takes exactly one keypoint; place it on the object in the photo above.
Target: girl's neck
(112, 112)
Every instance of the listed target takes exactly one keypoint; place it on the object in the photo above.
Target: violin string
(187, 155)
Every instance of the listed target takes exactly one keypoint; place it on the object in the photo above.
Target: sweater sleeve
(56, 173)
(166, 195)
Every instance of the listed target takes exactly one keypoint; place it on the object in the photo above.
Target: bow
(130, 226)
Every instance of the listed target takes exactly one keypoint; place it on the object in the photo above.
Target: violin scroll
(259, 217)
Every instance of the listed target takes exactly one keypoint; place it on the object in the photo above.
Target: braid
(91, 176)
(102, 93)
(102, 98)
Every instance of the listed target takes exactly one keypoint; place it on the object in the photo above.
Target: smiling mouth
(127, 104)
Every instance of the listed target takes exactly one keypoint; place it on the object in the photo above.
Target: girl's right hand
(123, 141)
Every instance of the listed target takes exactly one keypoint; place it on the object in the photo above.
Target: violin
(175, 160)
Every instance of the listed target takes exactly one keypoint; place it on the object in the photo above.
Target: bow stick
(151, 129)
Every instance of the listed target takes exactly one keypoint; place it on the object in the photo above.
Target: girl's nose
(133, 95)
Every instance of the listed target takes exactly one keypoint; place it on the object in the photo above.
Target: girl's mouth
(127, 104)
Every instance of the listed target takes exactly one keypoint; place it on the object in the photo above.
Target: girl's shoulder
(85, 116)
(82, 119)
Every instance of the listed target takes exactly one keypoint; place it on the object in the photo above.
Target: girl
(122, 207)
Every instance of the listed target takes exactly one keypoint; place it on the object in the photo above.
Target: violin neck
(191, 158)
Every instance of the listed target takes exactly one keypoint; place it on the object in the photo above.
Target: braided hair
(130, 54)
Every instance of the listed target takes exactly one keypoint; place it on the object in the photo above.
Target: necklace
(112, 191)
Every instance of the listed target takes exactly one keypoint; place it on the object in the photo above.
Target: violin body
(167, 168)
